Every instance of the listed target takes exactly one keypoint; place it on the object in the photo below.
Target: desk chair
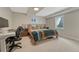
(11, 40)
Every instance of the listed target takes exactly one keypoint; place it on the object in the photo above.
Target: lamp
(36, 9)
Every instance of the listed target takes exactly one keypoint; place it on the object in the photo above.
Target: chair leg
(18, 43)
(18, 46)
(14, 45)
(11, 47)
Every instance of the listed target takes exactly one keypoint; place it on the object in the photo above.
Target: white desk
(3, 36)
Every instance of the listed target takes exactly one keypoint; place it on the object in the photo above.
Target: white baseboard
(69, 37)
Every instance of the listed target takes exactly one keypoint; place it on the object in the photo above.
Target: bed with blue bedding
(40, 35)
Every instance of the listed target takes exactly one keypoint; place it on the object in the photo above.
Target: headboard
(37, 26)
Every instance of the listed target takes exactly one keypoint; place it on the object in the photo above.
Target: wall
(19, 19)
(71, 23)
(5, 12)
(39, 20)
(50, 22)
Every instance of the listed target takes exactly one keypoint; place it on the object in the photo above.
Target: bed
(42, 34)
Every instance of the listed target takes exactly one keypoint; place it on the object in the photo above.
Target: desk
(3, 36)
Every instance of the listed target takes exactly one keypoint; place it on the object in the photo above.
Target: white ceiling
(50, 10)
(19, 9)
(43, 12)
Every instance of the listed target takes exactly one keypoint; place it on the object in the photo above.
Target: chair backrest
(18, 31)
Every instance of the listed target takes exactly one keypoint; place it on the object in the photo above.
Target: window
(59, 22)
(34, 20)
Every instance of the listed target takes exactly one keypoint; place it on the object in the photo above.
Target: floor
(53, 45)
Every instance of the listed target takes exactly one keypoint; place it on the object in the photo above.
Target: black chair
(11, 41)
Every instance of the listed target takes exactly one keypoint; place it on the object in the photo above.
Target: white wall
(40, 20)
(5, 12)
(71, 25)
(50, 22)
(19, 19)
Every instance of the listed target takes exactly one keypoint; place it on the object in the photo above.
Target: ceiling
(44, 11)
(19, 9)
(50, 10)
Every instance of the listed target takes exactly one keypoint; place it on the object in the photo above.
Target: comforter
(47, 33)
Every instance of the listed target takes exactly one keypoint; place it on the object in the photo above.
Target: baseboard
(69, 37)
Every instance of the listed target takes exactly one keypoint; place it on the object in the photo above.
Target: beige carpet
(53, 45)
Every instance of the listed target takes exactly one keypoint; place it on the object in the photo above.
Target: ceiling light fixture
(36, 9)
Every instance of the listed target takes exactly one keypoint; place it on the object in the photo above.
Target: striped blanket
(40, 35)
